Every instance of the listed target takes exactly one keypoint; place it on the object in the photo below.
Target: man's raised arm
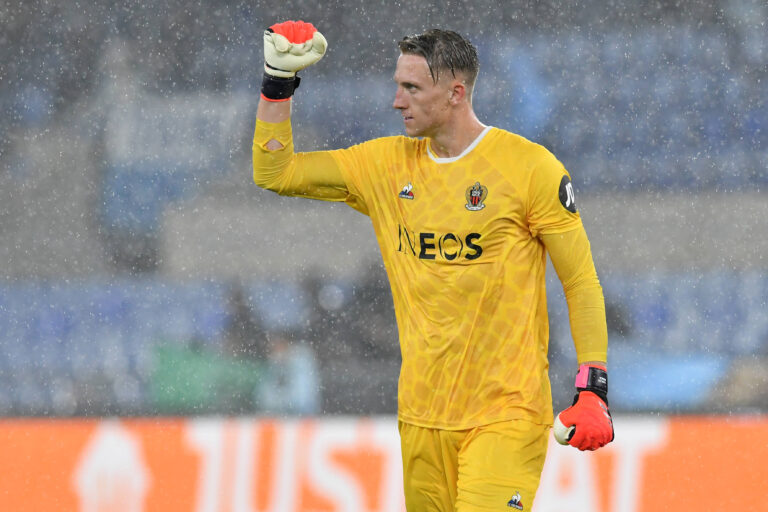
(289, 47)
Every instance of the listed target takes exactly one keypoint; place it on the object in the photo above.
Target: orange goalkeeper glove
(587, 424)
(289, 47)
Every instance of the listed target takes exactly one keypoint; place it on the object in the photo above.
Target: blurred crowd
(152, 346)
(110, 112)
(638, 95)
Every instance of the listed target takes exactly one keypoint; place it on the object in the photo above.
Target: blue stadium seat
(136, 194)
(278, 304)
(688, 325)
(647, 380)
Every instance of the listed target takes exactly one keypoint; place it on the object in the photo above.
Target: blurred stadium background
(133, 239)
(144, 274)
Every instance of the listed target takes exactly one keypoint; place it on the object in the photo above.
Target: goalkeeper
(464, 214)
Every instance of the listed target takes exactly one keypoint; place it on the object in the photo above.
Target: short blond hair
(444, 50)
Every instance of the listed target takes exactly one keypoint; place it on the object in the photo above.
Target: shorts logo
(475, 195)
(407, 192)
(516, 502)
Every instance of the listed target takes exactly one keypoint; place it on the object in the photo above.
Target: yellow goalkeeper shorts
(488, 468)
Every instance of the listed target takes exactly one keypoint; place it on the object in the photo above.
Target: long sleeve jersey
(464, 242)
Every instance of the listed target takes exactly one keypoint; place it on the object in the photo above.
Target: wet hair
(444, 50)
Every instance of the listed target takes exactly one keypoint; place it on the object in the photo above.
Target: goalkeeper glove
(587, 424)
(289, 47)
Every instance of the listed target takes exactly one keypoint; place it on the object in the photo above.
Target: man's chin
(411, 131)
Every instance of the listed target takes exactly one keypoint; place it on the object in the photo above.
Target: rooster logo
(516, 502)
(407, 192)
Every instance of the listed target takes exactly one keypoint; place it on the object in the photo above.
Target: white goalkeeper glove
(289, 47)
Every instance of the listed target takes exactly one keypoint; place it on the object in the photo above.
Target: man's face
(423, 104)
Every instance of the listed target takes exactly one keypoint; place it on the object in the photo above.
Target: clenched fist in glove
(587, 424)
(289, 47)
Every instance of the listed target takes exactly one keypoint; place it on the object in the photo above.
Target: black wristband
(278, 88)
(596, 381)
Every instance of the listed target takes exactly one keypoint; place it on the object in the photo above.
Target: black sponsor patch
(567, 197)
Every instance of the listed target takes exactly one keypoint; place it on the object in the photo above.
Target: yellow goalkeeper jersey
(458, 237)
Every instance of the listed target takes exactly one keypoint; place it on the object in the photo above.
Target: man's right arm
(277, 168)
(289, 47)
(273, 112)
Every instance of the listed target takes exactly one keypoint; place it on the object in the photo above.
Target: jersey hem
(592, 356)
(516, 414)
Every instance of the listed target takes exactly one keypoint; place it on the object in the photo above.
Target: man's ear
(458, 92)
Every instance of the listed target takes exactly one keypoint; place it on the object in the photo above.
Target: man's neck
(456, 137)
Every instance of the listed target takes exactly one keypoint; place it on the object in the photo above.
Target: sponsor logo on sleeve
(567, 197)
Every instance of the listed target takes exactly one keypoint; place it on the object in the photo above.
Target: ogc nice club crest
(475, 195)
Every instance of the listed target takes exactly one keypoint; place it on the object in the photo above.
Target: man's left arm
(572, 258)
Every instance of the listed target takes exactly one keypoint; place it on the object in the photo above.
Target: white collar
(449, 159)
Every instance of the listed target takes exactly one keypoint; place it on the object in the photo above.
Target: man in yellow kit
(464, 215)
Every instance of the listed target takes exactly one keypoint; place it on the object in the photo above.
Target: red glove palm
(589, 415)
(593, 422)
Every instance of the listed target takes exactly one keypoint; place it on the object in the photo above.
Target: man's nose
(398, 103)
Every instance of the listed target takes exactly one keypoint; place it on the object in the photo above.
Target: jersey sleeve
(364, 168)
(337, 175)
(314, 174)
(572, 258)
(551, 206)
(355, 166)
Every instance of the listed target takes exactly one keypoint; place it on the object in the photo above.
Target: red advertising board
(353, 464)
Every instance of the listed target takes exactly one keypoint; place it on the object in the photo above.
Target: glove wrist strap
(275, 88)
(593, 378)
